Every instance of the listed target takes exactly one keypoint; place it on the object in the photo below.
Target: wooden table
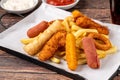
(14, 68)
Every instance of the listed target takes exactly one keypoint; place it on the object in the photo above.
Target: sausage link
(90, 51)
(34, 31)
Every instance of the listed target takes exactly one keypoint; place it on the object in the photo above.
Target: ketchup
(60, 2)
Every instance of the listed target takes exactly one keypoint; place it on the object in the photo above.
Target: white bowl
(18, 11)
(65, 6)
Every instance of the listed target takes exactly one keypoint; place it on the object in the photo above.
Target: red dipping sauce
(59, 2)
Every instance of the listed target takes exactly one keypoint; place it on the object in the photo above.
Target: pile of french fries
(78, 33)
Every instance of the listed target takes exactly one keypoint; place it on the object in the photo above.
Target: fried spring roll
(34, 47)
(49, 49)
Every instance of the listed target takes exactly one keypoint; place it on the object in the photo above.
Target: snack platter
(10, 42)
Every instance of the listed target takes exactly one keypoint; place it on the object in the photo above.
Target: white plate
(18, 11)
(11, 37)
(65, 6)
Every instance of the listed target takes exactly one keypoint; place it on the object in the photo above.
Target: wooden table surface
(14, 68)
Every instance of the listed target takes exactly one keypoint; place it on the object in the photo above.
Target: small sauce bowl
(65, 7)
(18, 11)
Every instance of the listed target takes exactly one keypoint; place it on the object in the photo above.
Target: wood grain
(14, 68)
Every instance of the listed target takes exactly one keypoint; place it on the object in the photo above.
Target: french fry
(59, 53)
(66, 24)
(64, 57)
(111, 50)
(74, 53)
(106, 36)
(55, 60)
(82, 61)
(71, 55)
(72, 23)
(82, 58)
(75, 27)
(101, 54)
(52, 45)
(79, 42)
(80, 32)
(28, 40)
(34, 47)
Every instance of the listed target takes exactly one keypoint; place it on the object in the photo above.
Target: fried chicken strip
(56, 41)
(85, 22)
(34, 47)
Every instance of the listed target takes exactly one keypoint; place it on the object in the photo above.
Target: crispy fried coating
(102, 46)
(77, 14)
(33, 47)
(71, 55)
(85, 22)
(49, 49)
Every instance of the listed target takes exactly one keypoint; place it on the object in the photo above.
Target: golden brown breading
(77, 14)
(36, 45)
(56, 41)
(105, 45)
(71, 55)
(85, 22)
